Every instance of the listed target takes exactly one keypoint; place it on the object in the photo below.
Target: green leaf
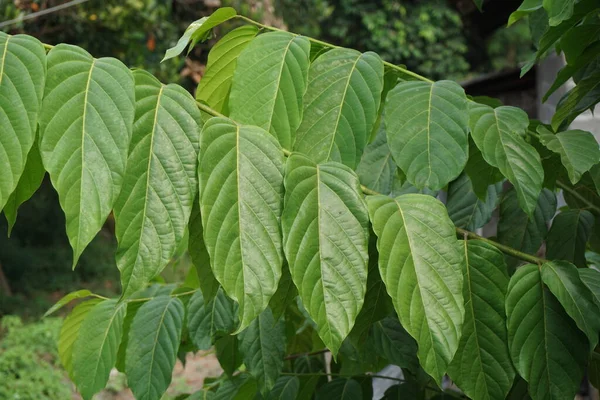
(202, 395)
(340, 389)
(426, 127)
(96, 346)
(558, 10)
(482, 174)
(519, 390)
(590, 55)
(325, 235)
(286, 388)
(152, 212)
(228, 353)
(376, 168)
(482, 367)
(479, 4)
(340, 82)
(85, 130)
(568, 236)
(241, 186)
(391, 341)
(391, 77)
(199, 30)
(546, 347)
(207, 318)
(269, 82)
(22, 76)
(591, 279)
(465, 209)
(578, 150)
(420, 262)
(199, 255)
(132, 309)
(563, 280)
(285, 295)
(67, 299)
(576, 40)
(215, 85)
(30, 181)
(497, 133)
(239, 387)
(70, 331)
(526, 8)
(585, 95)
(263, 345)
(151, 355)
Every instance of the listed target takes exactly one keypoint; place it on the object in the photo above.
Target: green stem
(574, 193)
(172, 295)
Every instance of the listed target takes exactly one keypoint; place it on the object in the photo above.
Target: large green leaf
(426, 127)
(482, 367)
(578, 150)
(22, 76)
(547, 348)
(376, 168)
(69, 332)
(563, 280)
(591, 278)
(263, 347)
(85, 128)
(340, 106)
(199, 255)
(269, 82)
(215, 85)
(391, 341)
(325, 234)
(286, 388)
(151, 355)
(96, 346)
(497, 133)
(420, 262)
(558, 10)
(241, 187)
(340, 389)
(465, 209)
(568, 236)
(482, 174)
(206, 318)
(152, 212)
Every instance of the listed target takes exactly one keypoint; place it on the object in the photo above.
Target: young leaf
(391, 341)
(578, 150)
(340, 389)
(325, 235)
(340, 83)
(79, 294)
(465, 209)
(482, 367)
(563, 280)
(497, 133)
(206, 318)
(96, 346)
(546, 347)
(568, 236)
(263, 347)
(70, 331)
(85, 130)
(22, 76)
(151, 355)
(420, 263)
(558, 10)
(241, 186)
(199, 255)
(286, 387)
(482, 174)
(160, 183)
(215, 85)
(376, 168)
(199, 30)
(426, 127)
(269, 82)
(591, 279)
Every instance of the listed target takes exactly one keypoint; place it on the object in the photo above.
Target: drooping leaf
(286, 388)
(585, 95)
(79, 294)
(199, 31)
(69, 332)
(285, 295)
(420, 264)
(465, 209)
(96, 346)
(151, 355)
(325, 235)
(85, 130)
(568, 236)
(340, 389)
(497, 133)
(591, 279)
(376, 168)
(577, 39)
(160, 183)
(526, 8)
(340, 106)
(482, 367)
(22, 77)
(228, 353)
(547, 348)
(263, 345)
(482, 174)
(30, 181)
(558, 10)
(132, 309)
(207, 318)
(269, 82)
(563, 280)
(393, 342)
(215, 85)
(241, 186)
(578, 150)
(199, 255)
(426, 126)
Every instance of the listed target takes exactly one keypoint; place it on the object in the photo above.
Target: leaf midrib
(318, 169)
